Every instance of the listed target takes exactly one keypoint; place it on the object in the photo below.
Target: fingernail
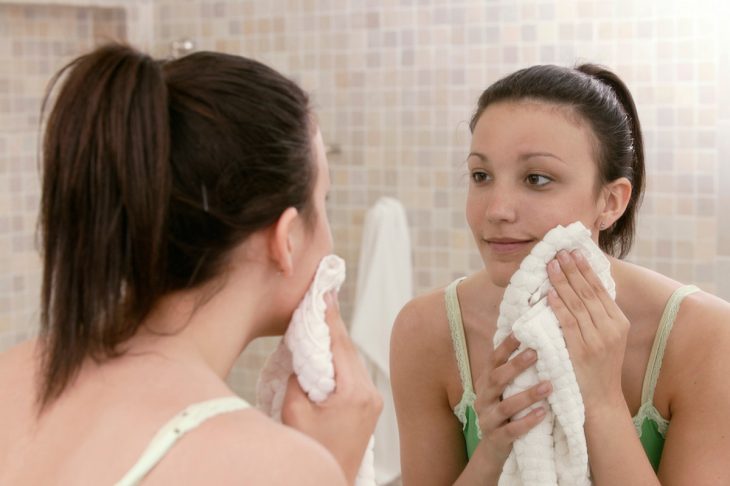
(540, 412)
(543, 388)
(529, 355)
(553, 267)
(578, 255)
(553, 294)
(563, 256)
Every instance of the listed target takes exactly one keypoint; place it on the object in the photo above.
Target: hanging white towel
(554, 452)
(384, 286)
(305, 351)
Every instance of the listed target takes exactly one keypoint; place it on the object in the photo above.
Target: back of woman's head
(152, 172)
(602, 100)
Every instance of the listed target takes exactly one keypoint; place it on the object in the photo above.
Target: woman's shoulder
(696, 309)
(425, 318)
(17, 379)
(229, 448)
(22, 355)
(702, 327)
(247, 447)
(698, 344)
(421, 340)
(422, 321)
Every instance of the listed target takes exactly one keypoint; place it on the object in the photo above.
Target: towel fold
(555, 451)
(305, 351)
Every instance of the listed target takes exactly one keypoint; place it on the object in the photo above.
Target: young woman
(183, 215)
(552, 146)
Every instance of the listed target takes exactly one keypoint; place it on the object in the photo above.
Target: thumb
(295, 399)
(333, 317)
(294, 391)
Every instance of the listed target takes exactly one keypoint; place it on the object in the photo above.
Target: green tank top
(650, 425)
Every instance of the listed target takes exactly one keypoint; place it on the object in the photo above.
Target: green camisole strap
(173, 430)
(650, 425)
(464, 410)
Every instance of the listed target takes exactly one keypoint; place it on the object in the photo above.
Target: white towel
(554, 452)
(384, 286)
(305, 350)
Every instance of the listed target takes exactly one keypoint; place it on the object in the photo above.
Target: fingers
(340, 339)
(584, 308)
(574, 265)
(350, 370)
(596, 285)
(571, 286)
(494, 414)
(517, 428)
(491, 385)
(295, 399)
(332, 316)
(503, 411)
(568, 323)
(505, 350)
(579, 308)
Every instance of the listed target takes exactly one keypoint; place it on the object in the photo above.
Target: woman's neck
(639, 291)
(209, 326)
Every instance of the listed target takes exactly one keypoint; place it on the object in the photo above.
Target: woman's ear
(280, 243)
(616, 196)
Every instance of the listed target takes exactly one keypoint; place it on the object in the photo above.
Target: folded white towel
(305, 351)
(384, 286)
(554, 452)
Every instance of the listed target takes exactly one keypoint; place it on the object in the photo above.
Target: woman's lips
(508, 245)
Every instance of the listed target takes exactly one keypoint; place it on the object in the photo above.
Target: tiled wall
(394, 83)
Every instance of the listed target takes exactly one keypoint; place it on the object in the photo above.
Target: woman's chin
(501, 274)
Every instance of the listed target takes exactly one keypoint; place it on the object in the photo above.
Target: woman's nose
(501, 204)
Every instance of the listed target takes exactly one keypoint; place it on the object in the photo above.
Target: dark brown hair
(599, 97)
(152, 172)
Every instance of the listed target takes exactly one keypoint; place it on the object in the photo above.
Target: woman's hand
(344, 422)
(594, 327)
(498, 430)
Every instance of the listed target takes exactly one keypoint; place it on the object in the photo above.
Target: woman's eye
(479, 177)
(538, 180)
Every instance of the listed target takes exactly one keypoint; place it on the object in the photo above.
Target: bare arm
(697, 444)
(432, 445)
(612, 439)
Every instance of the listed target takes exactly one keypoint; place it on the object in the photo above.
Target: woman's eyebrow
(528, 155)
(478, 155)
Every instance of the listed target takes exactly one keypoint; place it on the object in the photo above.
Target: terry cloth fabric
(554, 452)
(384, 286)
(305, 351)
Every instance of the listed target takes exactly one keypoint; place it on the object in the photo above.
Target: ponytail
(620, 235)
(104, 206)
(153, 174)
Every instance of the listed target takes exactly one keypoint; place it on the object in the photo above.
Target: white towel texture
(305, 351)
(384, 286)
(554, 452)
